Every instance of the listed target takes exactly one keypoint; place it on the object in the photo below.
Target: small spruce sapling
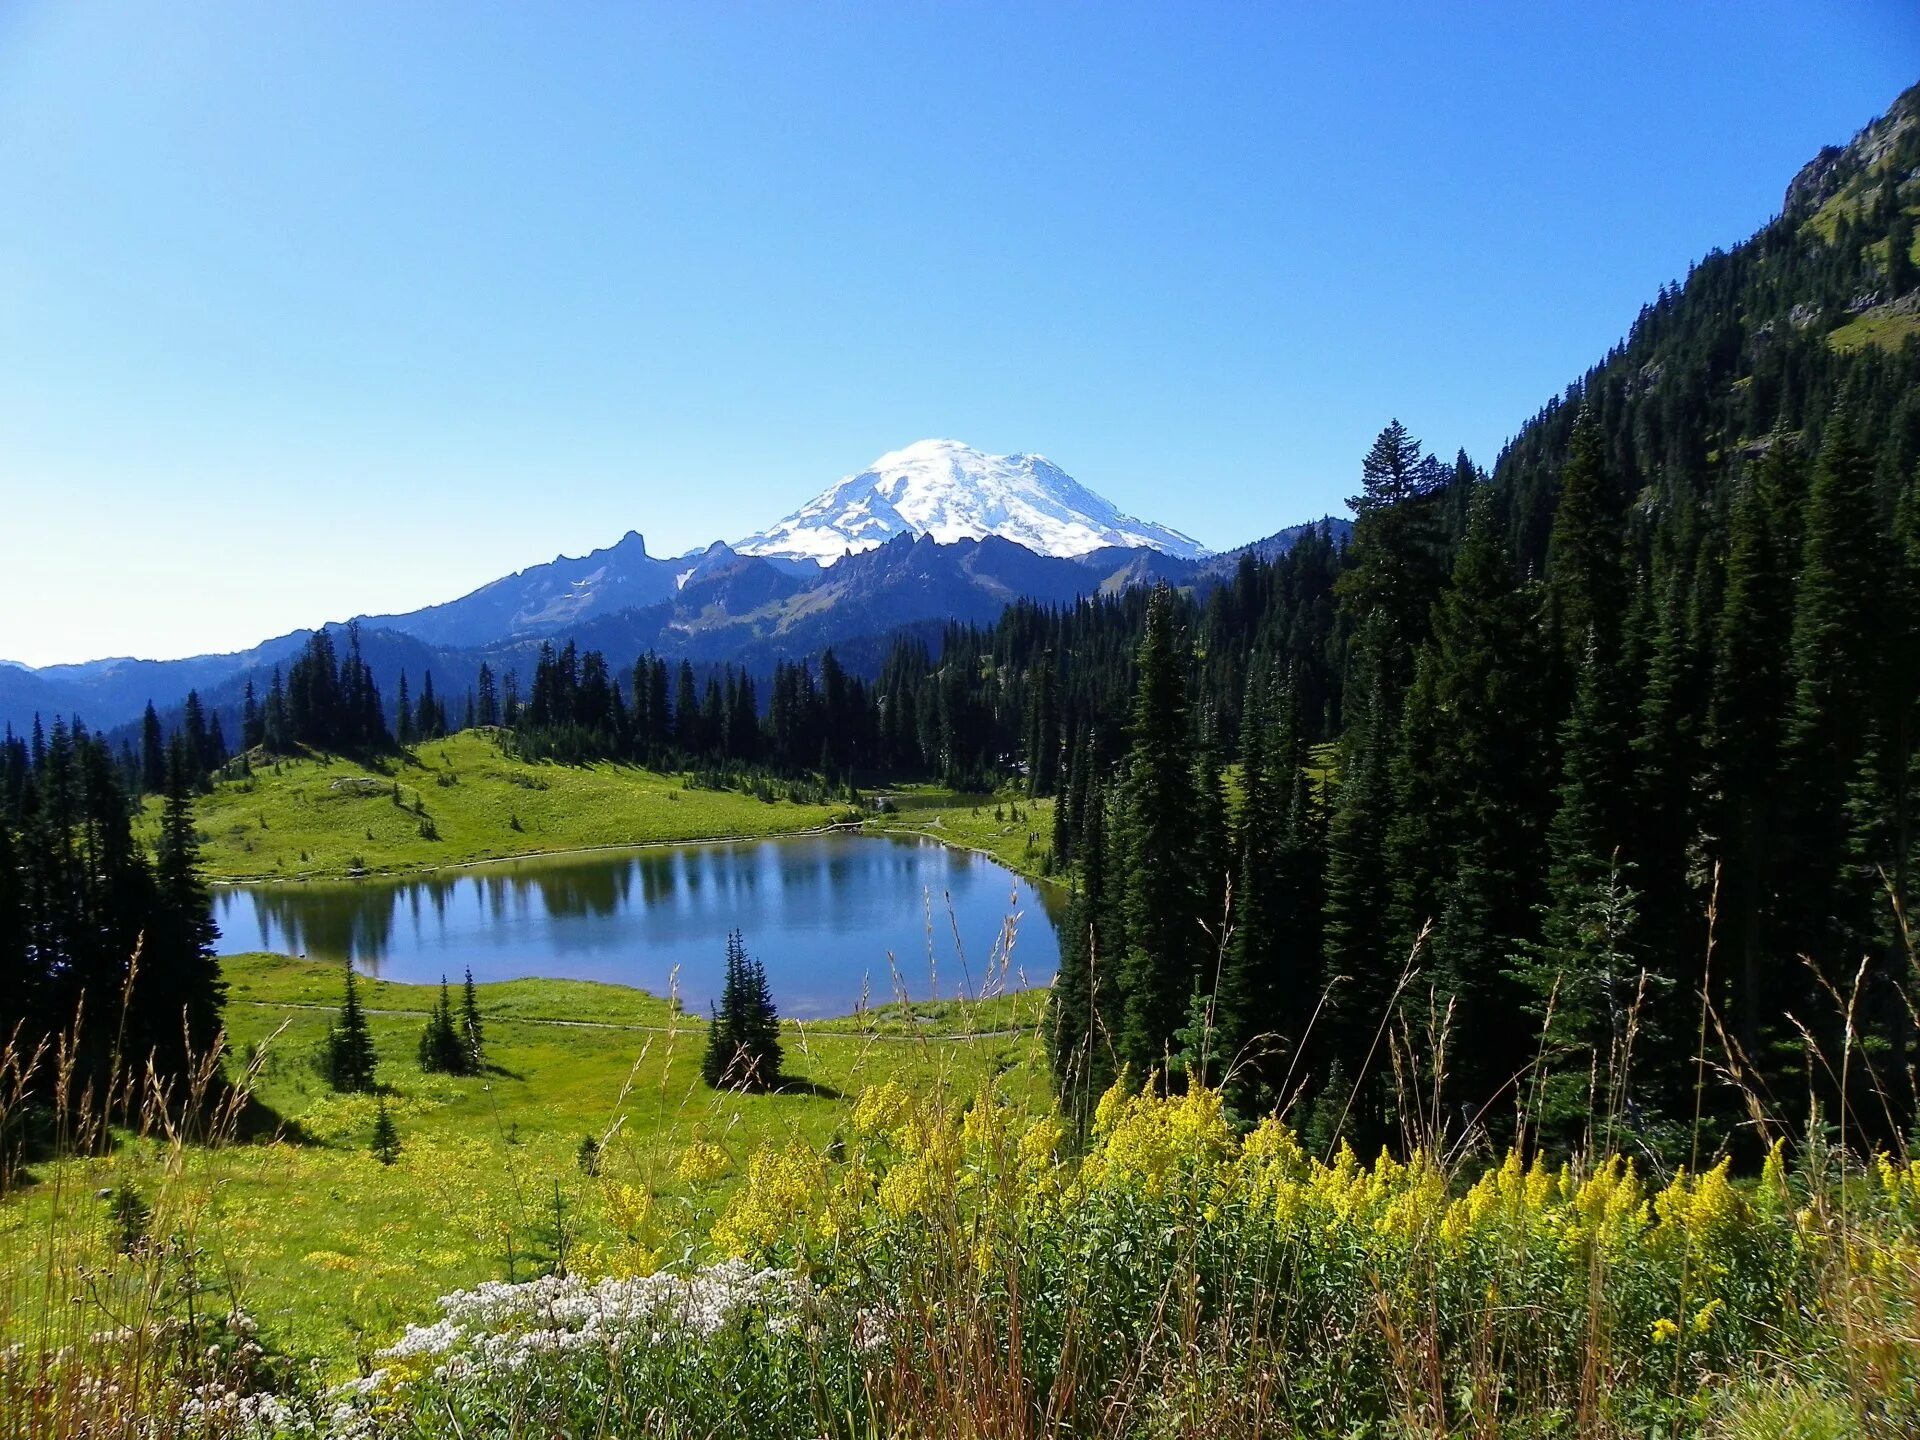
(386, 1136)
(472, 1030)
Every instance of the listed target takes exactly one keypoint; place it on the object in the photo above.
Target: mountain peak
(948, 490)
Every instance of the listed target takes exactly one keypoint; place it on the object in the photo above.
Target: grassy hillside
(457, 800)
(332, 1252)
(462, 799)
(1887, 326)
(1014, 830)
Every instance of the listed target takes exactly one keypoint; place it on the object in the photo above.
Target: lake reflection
(822, 911)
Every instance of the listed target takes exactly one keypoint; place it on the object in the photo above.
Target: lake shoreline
(862, 827)
(251, 882)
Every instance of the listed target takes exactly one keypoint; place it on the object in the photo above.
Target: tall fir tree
(403, 714)
(1750, 691)
(1581, 973)
(1165, 942)
(1836, 668)
(349, 1053)
(1585, 593)
(486, 697)
(473, 1032)
(153, 753)
(1270, 988)
(178, 992)
(1395, 569)
(1363, 967)
(1486, 793)
(1086, 1007)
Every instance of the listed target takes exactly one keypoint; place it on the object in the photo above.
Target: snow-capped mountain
(951, 491)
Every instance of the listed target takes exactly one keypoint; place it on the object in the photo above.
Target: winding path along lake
(823, 912)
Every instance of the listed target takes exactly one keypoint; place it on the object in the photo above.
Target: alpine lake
(841, 921)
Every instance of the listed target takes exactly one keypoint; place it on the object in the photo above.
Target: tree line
(103, 946)
(1541, 807)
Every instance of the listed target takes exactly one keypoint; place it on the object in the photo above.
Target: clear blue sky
(310, 309)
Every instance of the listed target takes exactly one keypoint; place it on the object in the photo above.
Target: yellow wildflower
(780, 1184)
(1041, 1143)
(881, 1108)
(703, 1161)
(1106, 1114)
(907, 1189)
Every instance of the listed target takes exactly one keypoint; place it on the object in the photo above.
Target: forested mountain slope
(1649, 688)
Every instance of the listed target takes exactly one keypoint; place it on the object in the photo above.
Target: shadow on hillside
(257, 1122)
(33, 1138)
(811, 1088)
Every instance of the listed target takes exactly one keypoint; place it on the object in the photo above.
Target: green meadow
(466, 799)
(1010, 828)
(333, 1252)
(454, 801)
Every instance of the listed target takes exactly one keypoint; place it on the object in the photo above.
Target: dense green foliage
(92, 924)
(443, 1049)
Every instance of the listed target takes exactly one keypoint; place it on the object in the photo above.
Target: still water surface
(822, 911)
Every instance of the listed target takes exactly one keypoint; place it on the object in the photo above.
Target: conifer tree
(178, 989)
(442, 1051)
(659, 713)
(1583, 552)
(1087, 1004)
(686, 712)
(1581, 972)
(253, 729)
(21, 1000)
(153, 753)
(1069, 812)
(1362, 966)
(743, 1037)
(349, 1049)
(386, 1135)
(1299, 897)
(403, 732)
(1211, 842)
(472, 1029)
(1749, 694)
(1394, 570)
(1418, 840)
(276, 724)
(1662, 779)
(429, 719)
(1153, 843)
(1901, 854)
(487, 697)
(1042, 746)
(1902, 274)
(1059, 834)
(1245, 1009)
(1836, 675)
(1485, 796)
